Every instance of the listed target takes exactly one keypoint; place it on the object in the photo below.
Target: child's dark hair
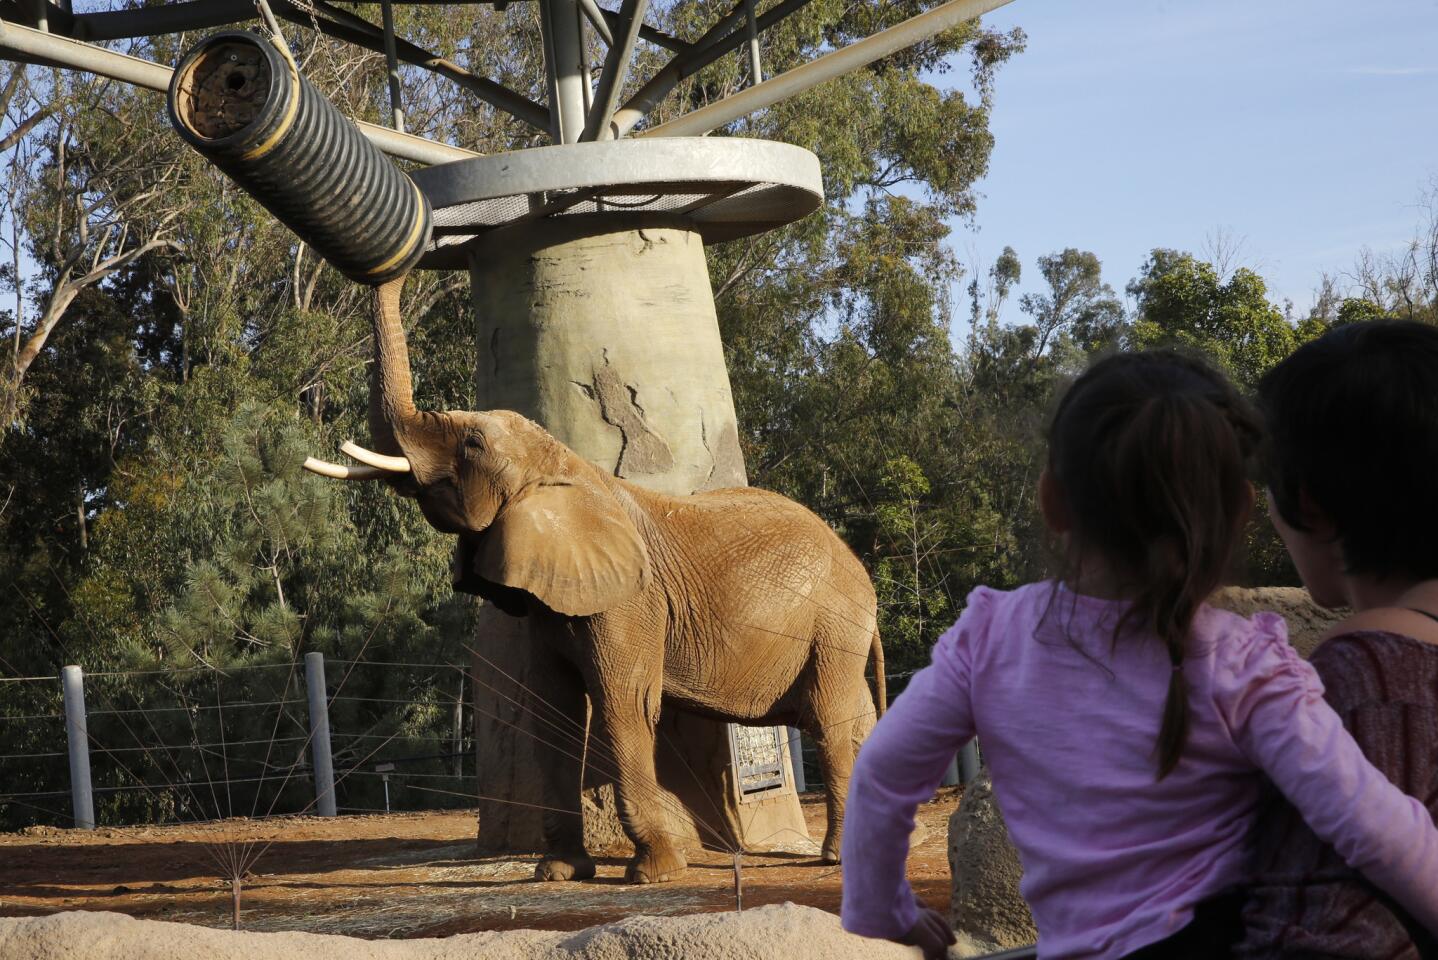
(1352, 419)
(1150, 454)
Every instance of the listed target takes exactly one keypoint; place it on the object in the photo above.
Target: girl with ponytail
(1129, 727)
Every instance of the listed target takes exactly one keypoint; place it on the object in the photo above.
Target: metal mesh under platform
(726, 187)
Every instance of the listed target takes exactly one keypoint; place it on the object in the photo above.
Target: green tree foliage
(1078, 305)
(986, 302)
(1181, 299)
(910, 582)
(1401, 284)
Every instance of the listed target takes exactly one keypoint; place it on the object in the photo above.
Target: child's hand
(930, 933)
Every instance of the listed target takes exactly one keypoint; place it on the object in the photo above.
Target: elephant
(737, 604)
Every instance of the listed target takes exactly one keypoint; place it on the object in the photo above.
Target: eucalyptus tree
(1181, 299)
(1078, 303)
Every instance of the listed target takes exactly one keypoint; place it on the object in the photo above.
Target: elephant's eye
(473, 443)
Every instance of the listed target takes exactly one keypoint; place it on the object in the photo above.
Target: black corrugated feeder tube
(244, 106)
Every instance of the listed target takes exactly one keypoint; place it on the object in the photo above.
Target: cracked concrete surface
(611, 342)
(642, 451)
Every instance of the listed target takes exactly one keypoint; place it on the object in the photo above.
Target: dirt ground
(401, 875)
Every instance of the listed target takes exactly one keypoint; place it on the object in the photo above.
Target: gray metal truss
(577, 111)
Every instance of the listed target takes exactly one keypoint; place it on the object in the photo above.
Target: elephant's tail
(876, 652)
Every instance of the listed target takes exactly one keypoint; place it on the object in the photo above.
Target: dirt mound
(788, 931)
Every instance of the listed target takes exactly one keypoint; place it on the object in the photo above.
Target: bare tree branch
(24, 127)
(63, 294)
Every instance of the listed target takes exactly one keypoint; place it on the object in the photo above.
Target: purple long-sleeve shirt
(1114, 859)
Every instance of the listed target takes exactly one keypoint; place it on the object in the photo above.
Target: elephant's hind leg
(839, 727)
(559, 723)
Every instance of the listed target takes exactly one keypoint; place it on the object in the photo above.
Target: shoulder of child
(979, 605)
(1252, 653)
(980, 608)
(1237, 639)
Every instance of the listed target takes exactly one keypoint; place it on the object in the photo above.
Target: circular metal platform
(727, 187)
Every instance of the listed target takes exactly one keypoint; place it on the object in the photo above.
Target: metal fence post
(969, 762)
(72, 684)
(796, 759)
(320, 734)
(458, 758)
(951, 773)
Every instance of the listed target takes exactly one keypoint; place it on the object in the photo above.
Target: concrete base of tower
(603, 331)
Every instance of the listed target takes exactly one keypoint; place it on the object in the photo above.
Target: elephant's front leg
(630, 717)
(560, 725)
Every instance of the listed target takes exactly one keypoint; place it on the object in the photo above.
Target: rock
(985, 906)
(985, 909)
(788, 931)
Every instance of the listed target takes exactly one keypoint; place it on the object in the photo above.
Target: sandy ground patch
(401, 875)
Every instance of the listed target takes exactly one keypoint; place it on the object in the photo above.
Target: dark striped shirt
(1306, 902)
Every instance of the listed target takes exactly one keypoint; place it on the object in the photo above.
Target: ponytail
(1173, 734)
(1150, 451)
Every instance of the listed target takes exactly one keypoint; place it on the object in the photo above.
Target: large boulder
(788, 931)
(985, 908)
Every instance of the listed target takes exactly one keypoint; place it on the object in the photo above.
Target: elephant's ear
(570, 545)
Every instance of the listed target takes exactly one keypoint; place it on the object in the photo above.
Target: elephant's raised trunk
(391, 399)
(391, 394)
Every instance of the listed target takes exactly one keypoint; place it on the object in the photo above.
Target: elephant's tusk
(326, 469)
(392, 464)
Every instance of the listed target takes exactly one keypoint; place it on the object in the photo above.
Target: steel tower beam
(616, 68)
(391, 63)
(52, 50)
(657, 37)
(708, 48)
(574, 117)
(362, 33)
(205, 14)
(564, 62)
(830, 65)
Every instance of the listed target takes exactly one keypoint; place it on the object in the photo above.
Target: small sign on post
(384, 770)
(758, 756)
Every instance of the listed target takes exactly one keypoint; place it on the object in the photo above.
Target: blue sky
(1307, 129)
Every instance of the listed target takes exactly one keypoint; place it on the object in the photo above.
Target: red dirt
(400, 875)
